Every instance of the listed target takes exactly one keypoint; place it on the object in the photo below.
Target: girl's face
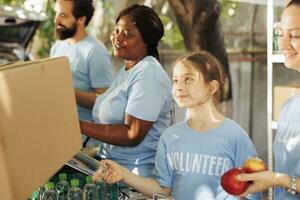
(127, 40)
(289, 36)
(189, 88)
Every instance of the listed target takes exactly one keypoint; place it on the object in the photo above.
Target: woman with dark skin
(287, 140)
(132, 114)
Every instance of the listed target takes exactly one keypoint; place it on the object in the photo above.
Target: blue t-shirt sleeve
(146, 97)
(100, 68)
(245, 149)
(162, 172)
(52, 50)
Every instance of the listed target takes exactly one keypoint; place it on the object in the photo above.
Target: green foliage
(110, 10)
(226, 6)
(46, 32)
(12, 2)
(173, 38)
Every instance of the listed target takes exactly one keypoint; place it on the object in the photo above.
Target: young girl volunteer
(192, 155)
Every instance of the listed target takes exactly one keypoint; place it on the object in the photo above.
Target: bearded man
(89, 60)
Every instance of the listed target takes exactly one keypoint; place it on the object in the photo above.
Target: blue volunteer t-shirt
(287, 145)
(192, 163)
(90, 64)
(145, 92)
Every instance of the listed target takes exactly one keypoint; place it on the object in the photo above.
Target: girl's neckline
(207, 131)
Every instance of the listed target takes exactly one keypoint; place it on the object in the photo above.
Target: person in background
(287, 140)
(90, 62)
(132, 114)
(192, 155)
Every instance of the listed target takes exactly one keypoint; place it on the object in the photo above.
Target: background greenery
(172, 39)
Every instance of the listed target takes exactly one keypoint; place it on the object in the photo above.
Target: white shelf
(272, 58)
(277, 58)
(274, 125)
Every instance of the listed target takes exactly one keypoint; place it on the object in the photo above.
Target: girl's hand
(260, 181)
(112, 174)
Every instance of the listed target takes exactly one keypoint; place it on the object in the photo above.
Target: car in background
(17, 28)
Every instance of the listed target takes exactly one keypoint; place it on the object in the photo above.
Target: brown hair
(83, 8)
(210, 68)
(293, 2)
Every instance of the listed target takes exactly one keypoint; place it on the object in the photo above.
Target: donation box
(39, 127)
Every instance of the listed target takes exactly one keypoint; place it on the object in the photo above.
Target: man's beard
(64, 32)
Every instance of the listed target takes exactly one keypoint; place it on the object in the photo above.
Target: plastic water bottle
(101, 188)
(50, 193)
(34, 195)
(101, 185)
(62, 187)
(75, 193)
(112, 190)
(90, 190)
(41, 191)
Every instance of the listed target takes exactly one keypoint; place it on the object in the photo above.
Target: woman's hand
(112, 173)
(260, 181)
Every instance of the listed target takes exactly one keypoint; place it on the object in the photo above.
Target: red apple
(231, 184)
(254, 165)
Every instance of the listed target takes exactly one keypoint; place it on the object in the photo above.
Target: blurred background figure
(90, 62)
(286, 177)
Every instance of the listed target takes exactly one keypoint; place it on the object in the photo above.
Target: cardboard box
(281, 95)
(39, 129)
